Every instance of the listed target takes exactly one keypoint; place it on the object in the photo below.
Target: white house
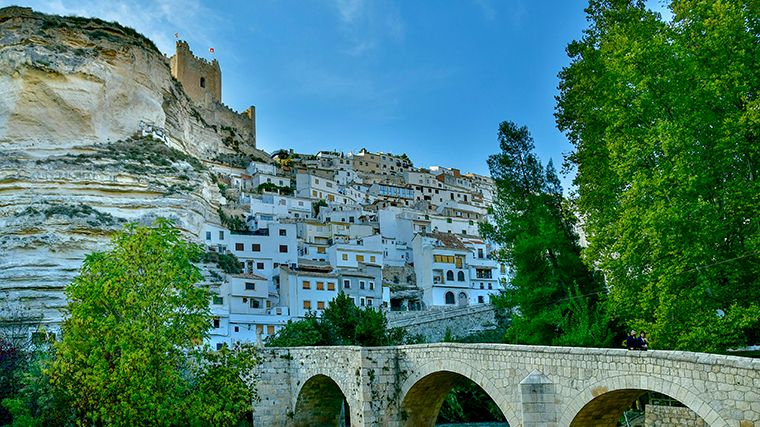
(306, 288)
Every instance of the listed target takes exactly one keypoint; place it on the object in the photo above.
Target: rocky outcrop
(94, 132)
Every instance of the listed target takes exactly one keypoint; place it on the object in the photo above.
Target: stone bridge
(533, 386)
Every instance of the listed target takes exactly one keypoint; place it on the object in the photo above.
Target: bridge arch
(422, 394)
(610, 394)
(320, 402)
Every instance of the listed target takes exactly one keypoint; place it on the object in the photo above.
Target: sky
(430, 78)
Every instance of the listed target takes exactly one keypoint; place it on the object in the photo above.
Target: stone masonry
(533, 386)
(667, 416)
(432, 324)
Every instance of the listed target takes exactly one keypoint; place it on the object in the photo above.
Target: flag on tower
(211, 50)
(176, 35)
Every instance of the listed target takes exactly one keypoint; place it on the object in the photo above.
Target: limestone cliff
(94, 132)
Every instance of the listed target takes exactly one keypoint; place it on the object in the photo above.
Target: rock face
(94, 132)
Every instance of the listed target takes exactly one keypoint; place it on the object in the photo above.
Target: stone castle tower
(202, 81)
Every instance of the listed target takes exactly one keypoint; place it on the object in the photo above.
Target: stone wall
(201, 79)
(533, 386)
(671, 416)
(432, 324)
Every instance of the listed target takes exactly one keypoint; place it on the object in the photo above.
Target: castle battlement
(185, 47)
(202, 81)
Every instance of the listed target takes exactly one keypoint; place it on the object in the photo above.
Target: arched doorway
(460, 276)
(444, 397)
(450, 298)
(321, 403)
(463, 301)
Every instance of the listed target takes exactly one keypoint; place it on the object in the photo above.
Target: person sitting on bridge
(632, 341)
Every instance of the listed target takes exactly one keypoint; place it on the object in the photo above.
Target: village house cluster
(371, 225)
(305, 227)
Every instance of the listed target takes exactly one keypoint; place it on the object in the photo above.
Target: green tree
(664, 118)
(341, 323)
(130, 352)
(553, 296)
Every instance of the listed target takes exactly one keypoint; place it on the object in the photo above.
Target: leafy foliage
(274, 188)
(342, 323)
(553, 296)
(665, 118)
(227, 262)
(129, 353)
(232, 222)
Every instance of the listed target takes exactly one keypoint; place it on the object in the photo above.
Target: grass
(73, 211)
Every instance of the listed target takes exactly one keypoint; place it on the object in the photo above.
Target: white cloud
(158, 20)
(367, 25)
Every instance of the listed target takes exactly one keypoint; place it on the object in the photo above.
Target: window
(344, 257)
(239, 247)
(219, 346)
(503, 269)
(255, 303)
(307, 305)
(216, 323)
(320, 250)
(259, 266)
(203, 82)
(330, 286)
(369, 302)
(306, 284)
(460, 276)
(448, 220)
(446, 259)
(313, 193)
(283, 249)
(283, 232)
(482, 286)
(221, 234)
(237, 329)
(480, 253)
(250, 286)
(371, 286)
(490, 286)
(372, 258)
(270, 329)
(361, 284)
(346, 284)
(320, 286)
(208, 235)
(480, 300)
(316, 180)
(362, 302)
(450, 298)
(450, 275)
(218, 300)
(320, 305)
(360, 258)
(256, 247)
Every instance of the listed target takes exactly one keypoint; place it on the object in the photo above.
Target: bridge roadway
(533, 386)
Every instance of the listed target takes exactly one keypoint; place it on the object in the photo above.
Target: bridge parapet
(405, 385)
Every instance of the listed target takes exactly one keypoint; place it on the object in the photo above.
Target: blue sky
(429, 78)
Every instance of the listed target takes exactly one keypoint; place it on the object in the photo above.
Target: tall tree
(553, 295)
(665, 118)
(130, 351)
(341, 323)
